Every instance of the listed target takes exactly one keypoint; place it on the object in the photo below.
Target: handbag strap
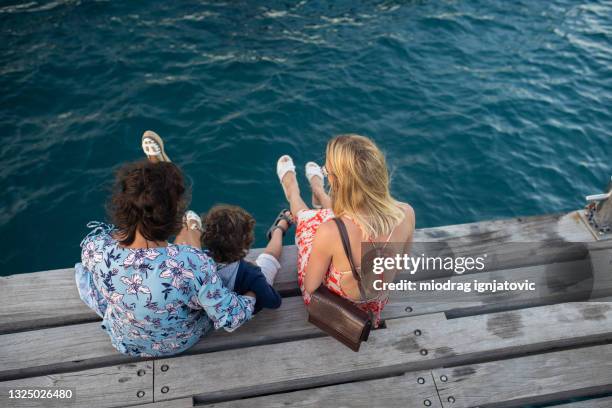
(346, 243)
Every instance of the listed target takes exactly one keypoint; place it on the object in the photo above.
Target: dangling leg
(286, 174)
(315, 177)
(269, 259)
(191, 232)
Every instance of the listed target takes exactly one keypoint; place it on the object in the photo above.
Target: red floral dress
(308, 221)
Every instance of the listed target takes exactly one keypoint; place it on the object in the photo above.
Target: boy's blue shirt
(250, 277)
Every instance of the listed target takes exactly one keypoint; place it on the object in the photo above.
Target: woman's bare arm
(411, 220)
(320, 257)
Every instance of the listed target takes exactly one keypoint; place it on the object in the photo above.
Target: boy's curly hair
(228, 232)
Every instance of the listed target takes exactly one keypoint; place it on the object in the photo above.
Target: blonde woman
(359, 195)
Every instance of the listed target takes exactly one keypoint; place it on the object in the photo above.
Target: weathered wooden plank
(177, 403)
(497, 256)
(78, 347)
(541, 228)
(605, 402)
(534, 379)
(41, 299)
(75, 347)
(82, 346)
(580, 280)
(416, 389)
(519, 331)
(502, 325)
(406, 344)
(61, 304)
(510, 243)
(112, 386)
(22, 306)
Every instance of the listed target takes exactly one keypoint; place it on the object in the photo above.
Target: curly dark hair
(228, 232)
(148, 197)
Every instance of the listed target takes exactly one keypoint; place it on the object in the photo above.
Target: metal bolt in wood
(165, 389)
(427, 403)
(423, 352)
(141, 372)
(443, 378)
(165, 367)
(417, 332)
(451, 399)
(140, 394)
(408, 309)
(421, 380)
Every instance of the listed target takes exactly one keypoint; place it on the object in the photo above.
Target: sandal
(314, 170)
(153, 146)
(279, 217)
(284, 166)
(192, 216)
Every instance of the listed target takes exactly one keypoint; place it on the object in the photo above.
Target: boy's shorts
(268, 264)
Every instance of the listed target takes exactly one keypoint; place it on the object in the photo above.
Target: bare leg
(292, 193)
(189, 237)
(275, 246)
(316, 184)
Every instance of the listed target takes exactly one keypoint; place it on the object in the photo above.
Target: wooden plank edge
(175, 403)
(457, 387)
(415, 351)
(229, 341)
(599, 402)
(406, 390)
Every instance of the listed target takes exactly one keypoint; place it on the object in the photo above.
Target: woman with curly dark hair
(156, 298)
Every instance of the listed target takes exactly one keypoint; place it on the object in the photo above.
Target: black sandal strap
(279, 217)
(286, 218)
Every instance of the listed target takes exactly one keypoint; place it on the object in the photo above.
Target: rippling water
(485, 109)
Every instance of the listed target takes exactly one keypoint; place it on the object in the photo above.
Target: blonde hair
(359, 185)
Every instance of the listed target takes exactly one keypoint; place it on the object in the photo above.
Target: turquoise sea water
(485, 109)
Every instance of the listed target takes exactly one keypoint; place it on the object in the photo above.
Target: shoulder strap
(392, 231)
(346, 243)
(347, 250)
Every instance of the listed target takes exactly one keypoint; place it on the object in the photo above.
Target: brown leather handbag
(338, 316)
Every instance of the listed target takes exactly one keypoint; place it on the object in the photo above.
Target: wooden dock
(498, 351)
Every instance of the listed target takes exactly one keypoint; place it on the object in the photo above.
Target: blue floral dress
(155, 301)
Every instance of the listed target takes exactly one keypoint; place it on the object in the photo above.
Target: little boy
(227, 237)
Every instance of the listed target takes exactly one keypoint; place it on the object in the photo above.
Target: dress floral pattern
(155, 301)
